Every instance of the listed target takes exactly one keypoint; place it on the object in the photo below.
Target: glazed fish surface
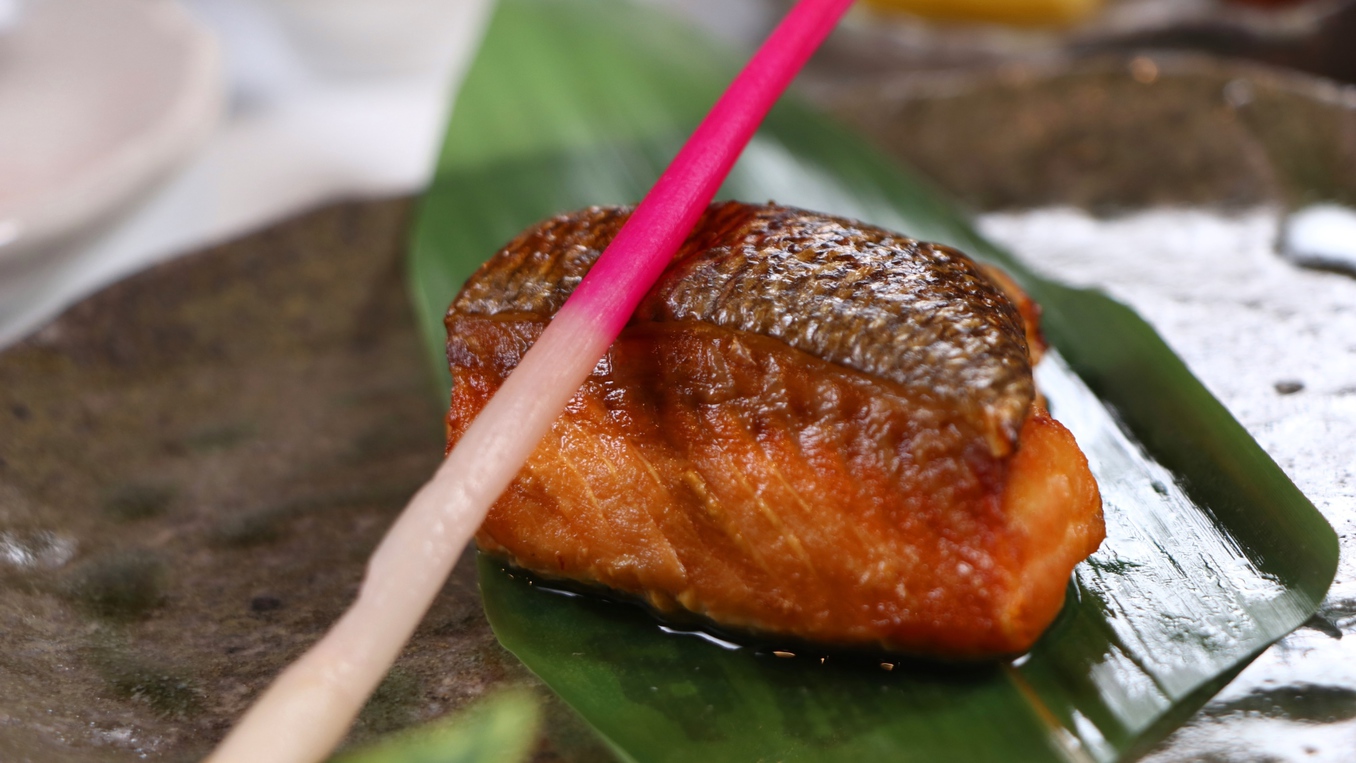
(810, 428)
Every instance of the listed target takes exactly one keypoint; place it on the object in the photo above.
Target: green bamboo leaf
(498, 729)
(1211, 555)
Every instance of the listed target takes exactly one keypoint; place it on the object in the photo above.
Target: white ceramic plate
(98, 100)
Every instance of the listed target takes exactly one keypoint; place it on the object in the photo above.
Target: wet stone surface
(195, 466)
(1276, 343)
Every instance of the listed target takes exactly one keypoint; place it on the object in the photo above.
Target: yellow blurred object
(1015, 12)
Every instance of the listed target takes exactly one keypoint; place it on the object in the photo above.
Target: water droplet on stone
(35, 549)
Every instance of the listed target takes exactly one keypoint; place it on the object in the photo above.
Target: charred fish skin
(923, 315)
(759, 448)
(920, 314)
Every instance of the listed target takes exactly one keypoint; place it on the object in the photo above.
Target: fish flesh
(810, 428)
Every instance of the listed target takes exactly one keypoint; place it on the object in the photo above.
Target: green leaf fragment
(499, 729)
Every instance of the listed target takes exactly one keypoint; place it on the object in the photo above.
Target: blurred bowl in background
(9, 16)
(380, 36)
(99, 99)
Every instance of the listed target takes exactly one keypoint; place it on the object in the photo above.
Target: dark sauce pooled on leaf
(811, 428)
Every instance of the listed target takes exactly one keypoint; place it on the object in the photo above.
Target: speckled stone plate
(195, 464)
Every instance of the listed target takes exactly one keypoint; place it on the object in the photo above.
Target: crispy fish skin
(920, 314)
(811, 427)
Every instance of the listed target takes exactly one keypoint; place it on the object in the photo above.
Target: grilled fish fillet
(811, 428)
